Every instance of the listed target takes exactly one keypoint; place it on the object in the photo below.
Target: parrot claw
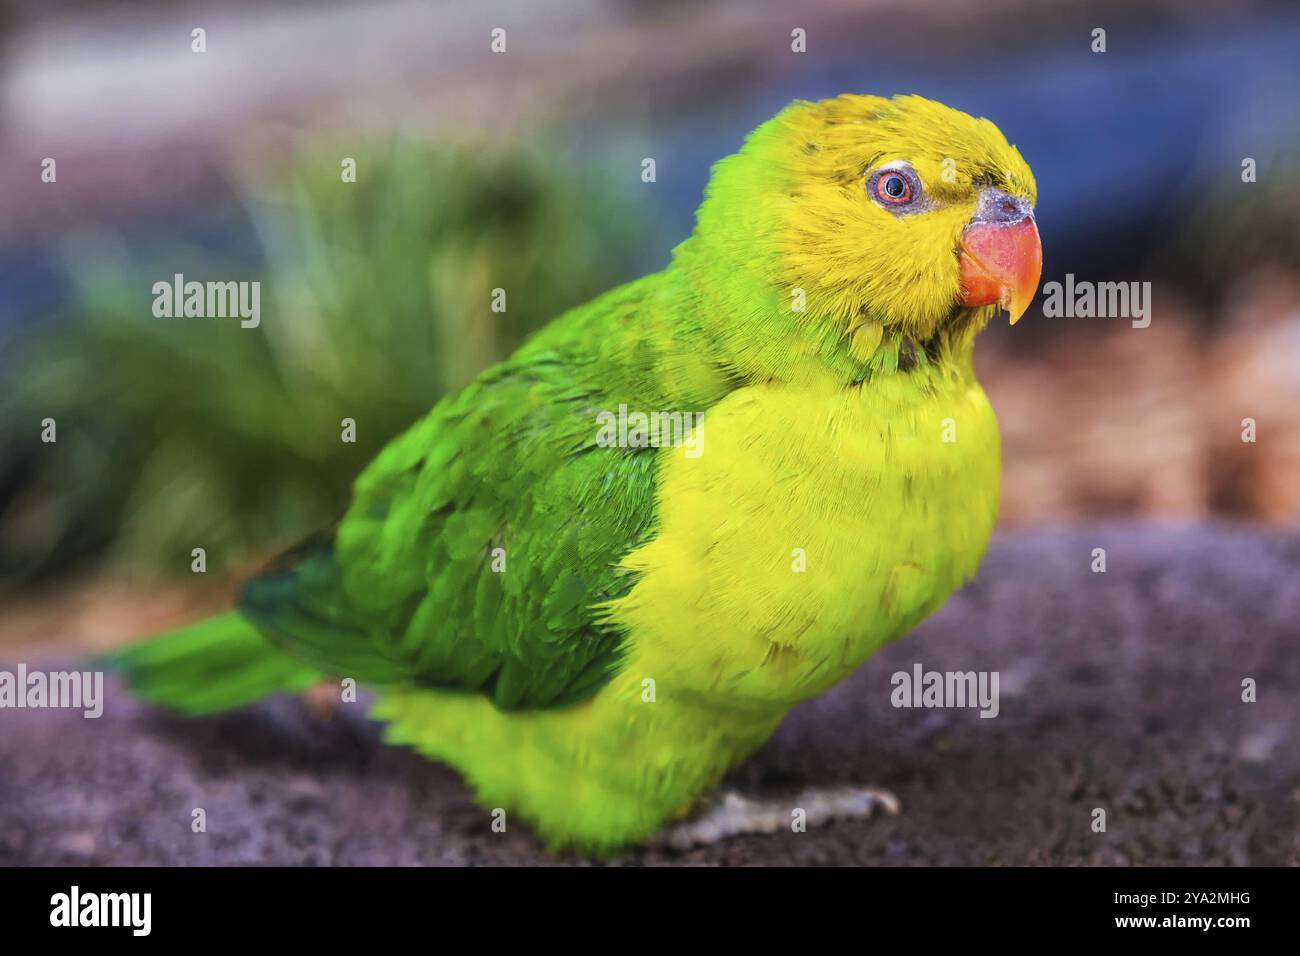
(733, 814)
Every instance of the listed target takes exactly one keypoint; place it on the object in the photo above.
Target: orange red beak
(1001, 261)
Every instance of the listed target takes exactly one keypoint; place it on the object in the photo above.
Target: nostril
(998, 206)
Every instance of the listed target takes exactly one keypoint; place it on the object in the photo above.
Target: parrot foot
(733, 814)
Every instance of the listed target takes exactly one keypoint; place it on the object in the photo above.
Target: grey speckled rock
(1119, 690)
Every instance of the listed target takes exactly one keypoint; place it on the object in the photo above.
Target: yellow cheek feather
(862, 264)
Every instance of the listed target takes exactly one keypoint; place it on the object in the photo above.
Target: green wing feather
(406, 591)
(410, 588)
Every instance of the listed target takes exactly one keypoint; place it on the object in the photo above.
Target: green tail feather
(216, 664)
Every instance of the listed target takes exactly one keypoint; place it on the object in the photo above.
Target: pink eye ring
(894, 186)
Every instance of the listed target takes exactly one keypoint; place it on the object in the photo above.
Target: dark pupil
(895, 187)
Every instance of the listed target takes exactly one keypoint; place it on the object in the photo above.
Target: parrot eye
(894, 185)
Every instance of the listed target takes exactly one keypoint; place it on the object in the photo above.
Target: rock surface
(1120, 691)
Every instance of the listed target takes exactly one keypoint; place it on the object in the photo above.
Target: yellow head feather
(791, 213)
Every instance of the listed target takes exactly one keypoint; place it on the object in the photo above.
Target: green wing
(405, 590)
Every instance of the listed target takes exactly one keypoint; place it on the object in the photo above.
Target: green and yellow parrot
(594, 629)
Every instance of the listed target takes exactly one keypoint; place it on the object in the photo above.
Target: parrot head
(880, 217)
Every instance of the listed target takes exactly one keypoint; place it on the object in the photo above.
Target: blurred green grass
(183, 433)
